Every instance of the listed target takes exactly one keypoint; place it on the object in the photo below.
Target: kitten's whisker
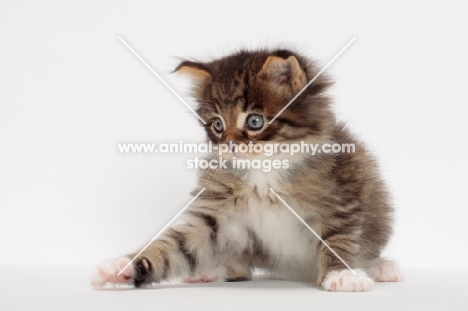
(313, 79)
(313, 231)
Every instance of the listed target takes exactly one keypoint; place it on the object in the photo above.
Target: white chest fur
(260, 181)
(283, 236)
(280, 231)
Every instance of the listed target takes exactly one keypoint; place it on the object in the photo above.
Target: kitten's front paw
(346, 281)
(107, 272)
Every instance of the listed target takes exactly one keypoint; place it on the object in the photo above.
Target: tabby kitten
(238, 224)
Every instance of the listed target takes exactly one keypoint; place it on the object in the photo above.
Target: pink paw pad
(347, 281)
(108, 271)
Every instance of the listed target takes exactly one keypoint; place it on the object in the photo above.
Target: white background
(70, 91)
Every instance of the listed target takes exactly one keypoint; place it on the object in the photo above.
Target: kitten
(238, 224)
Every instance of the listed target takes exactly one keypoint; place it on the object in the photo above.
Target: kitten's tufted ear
(283, 73)
(198, 72)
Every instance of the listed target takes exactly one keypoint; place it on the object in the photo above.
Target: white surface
(70, 91)
(67, 288)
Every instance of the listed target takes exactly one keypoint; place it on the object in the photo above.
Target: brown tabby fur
(340, 195)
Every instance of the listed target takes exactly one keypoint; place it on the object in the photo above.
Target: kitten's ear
(284, 73)
(198, 72)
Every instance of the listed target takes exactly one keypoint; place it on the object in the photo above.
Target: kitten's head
(239, 94)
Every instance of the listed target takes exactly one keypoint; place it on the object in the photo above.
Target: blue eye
(218, 125)
(255, 122)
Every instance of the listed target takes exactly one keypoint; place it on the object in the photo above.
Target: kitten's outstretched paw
(385, 271)
(107, 272)
(346, 281)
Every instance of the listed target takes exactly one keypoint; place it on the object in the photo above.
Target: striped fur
(237, 223)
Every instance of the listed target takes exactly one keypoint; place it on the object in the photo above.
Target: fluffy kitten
(237, 224)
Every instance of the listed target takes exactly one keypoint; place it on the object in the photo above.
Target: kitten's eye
(218, 125)
(255, 122)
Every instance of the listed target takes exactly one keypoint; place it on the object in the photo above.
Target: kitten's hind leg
(383, 270)
(214, 274)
